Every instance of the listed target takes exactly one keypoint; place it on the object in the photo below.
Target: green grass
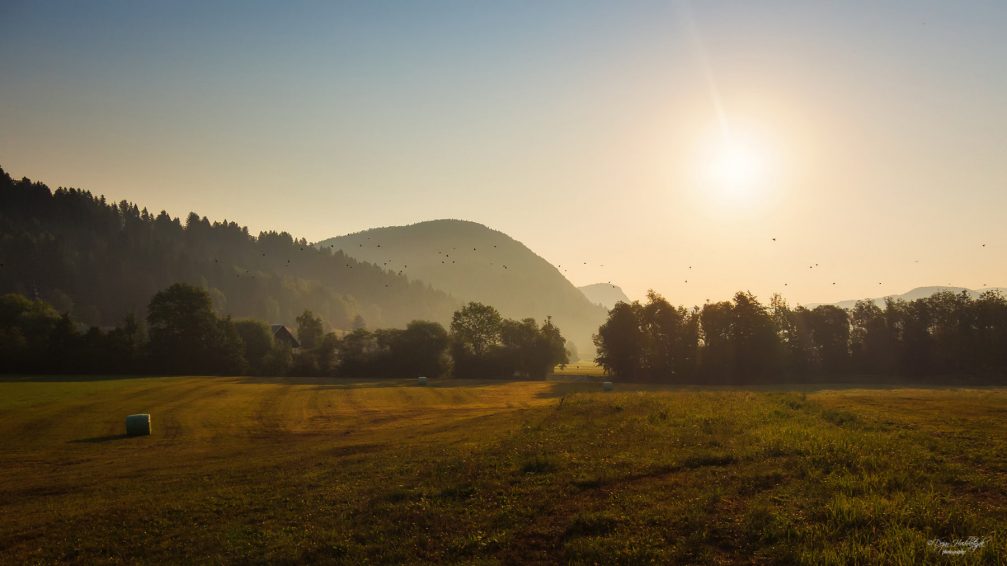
(315, 470)
(580, 369)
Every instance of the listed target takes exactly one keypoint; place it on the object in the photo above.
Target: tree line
(100, 261)
(183, 334)
(948, 337)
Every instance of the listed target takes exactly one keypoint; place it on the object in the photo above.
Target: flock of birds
(447, 257)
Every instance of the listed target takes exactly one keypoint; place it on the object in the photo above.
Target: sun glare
(738, 168)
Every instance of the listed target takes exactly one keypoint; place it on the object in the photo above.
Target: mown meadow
(339, 471)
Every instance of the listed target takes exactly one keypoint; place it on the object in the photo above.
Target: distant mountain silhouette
(100, 261)
(474, 263)
(604, 294)
(917, 293)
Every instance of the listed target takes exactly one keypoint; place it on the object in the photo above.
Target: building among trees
(283, 335)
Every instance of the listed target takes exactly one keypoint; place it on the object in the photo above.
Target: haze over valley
(524, 282)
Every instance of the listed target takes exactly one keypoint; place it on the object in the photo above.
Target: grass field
(302, 470)
(585, 369)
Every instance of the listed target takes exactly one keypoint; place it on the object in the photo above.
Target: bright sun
(738, 168)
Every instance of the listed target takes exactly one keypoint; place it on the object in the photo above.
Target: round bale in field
(421, 380)
(138, 425)
(607, 386)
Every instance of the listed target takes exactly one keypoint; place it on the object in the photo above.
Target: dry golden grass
(324, 470)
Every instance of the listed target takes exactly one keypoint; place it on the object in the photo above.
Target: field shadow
(100, 439)
(322, 382)
(378, 382)
(561, 388)
(9, 378)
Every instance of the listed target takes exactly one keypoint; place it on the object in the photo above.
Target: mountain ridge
(604, 294)
(473, 262)
(913, 294)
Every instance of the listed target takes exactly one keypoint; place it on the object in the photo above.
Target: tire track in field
(268, 415)
(198, 416)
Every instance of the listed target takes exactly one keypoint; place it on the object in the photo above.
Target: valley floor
(325, 470)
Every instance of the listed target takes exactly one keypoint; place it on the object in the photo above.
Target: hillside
(604, 294)
(474, 263)
(101, 261)
(916, 293)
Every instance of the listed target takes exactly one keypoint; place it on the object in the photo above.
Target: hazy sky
(868, 139)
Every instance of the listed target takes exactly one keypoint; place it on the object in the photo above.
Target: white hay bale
(421, 380)
(138, 425)
(607, 386)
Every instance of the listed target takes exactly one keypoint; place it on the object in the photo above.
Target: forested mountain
(100, 261)
(475, 263)
(604, 294)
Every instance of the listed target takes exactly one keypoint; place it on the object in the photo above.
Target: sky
(822, 150)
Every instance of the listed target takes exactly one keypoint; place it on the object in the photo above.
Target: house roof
(281, 331)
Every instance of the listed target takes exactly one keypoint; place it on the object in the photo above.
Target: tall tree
(257, 341)
(309, 330)
(475, 339)
(550, 350)
(422, 349)
(620, 341)
(670, 340)
(717, 354)
(187, 337)
(830, 326)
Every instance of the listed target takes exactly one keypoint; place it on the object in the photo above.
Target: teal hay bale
(138, 425)
(607, 386)
(421, 380)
